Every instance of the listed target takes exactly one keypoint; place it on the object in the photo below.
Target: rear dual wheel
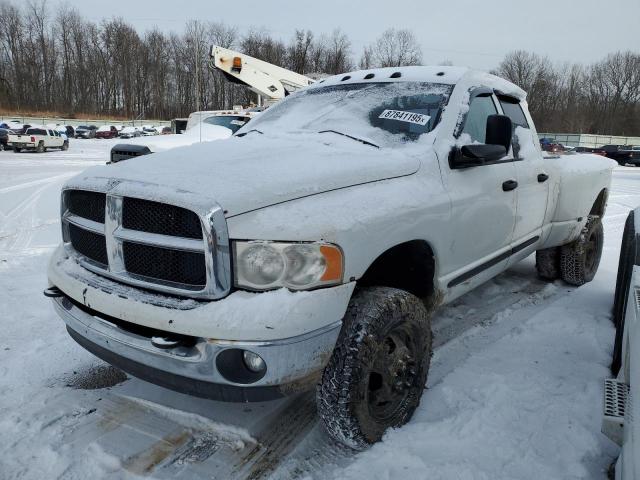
(577, 262)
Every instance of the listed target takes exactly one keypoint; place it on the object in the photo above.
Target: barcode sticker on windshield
(237, 122)
(402, 116)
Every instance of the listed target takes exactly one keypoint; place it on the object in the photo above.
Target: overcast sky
(466, 32)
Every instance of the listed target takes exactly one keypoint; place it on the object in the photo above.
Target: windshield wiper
(252, 130)
(366, 142)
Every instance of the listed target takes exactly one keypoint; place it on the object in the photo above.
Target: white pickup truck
(311, 249)
(38, 139)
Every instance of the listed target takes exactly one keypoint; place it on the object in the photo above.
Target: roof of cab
(430, 74)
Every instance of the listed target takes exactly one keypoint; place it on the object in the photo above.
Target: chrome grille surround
(214, 244)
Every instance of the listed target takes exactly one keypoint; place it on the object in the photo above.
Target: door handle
(542, 177)
(509, 185)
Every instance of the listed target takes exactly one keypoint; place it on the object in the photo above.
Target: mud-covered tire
(383, 352)
(629, 256)
(548, 263)
(40, 148)
(579, 260)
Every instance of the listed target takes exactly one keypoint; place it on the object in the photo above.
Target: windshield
(233, 123)
(385, 113)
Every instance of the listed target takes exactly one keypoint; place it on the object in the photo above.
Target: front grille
(86, 204)
(148, 244)
(91, 245)
(154, 217)
(175, 266)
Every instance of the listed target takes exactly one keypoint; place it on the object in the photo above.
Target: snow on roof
(430, 74)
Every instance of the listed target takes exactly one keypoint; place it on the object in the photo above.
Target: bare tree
(396, 48)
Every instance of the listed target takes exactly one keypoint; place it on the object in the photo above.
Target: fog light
(253, 361)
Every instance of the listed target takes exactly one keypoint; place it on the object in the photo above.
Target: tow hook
(165, 342)
(52, 292)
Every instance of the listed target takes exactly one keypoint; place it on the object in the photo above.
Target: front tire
(579, 260)
(378, 369)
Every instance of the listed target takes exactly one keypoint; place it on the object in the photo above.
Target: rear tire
(16, 150)
(548, 263)
(65, 146)
(579, 260)
(377, 372)
(40, 148)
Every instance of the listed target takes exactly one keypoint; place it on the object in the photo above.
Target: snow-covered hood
(244, 174)
(161, 143)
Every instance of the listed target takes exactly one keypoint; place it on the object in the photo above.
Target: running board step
(615, 403)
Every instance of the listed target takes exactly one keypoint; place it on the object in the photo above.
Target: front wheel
(376, 375)
(579, 260)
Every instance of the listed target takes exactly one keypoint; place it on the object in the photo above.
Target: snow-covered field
(514, 391)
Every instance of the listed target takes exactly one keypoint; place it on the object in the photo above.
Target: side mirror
(475, 155)
(499, 131)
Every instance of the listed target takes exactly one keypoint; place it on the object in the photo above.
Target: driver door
(483, 206)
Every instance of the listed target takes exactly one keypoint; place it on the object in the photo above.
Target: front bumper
(293, 364)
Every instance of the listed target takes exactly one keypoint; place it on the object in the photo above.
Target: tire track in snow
(33, 183)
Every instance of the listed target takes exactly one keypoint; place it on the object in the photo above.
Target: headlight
(299, 266)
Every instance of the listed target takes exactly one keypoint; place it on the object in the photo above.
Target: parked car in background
(129, 132)
(149, 132)
(166, 131)
(621, 416)
(37, 139)
(4, 138)
(107, 131)
(623, 154)
(551, 145)
(86, 131)
(21, 128)
(629, 155)
(216, 125)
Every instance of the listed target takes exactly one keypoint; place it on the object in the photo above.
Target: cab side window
(475, 125)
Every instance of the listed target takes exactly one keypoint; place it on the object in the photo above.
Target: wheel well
(408, 266)
(600, 204)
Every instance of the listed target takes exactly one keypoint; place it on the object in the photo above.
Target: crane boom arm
(263, 78)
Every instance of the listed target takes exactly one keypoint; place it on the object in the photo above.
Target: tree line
(58, 61)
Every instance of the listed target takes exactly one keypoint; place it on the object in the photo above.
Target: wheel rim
(591, 248)
(392, 375)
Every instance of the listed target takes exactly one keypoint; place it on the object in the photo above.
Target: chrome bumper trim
(288, 360)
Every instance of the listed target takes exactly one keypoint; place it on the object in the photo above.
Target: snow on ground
(514, 390)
